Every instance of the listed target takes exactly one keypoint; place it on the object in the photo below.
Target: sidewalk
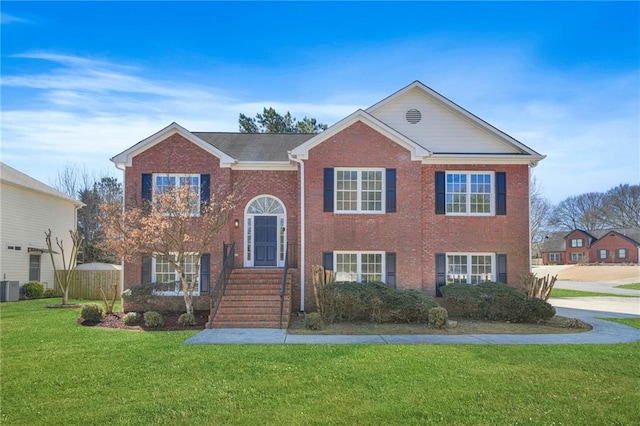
(604, 332)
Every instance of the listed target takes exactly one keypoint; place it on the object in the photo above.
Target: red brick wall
(415, 233)
(613, 242)
(575, 235)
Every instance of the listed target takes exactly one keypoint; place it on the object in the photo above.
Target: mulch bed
(170, 322)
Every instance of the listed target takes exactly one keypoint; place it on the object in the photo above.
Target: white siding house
(28, 208)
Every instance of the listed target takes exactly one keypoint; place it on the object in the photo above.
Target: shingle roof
(255, 146)
(10, 175)
(556, 241)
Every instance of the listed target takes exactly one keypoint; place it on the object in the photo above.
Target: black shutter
(205, 190)
(146, 269)
(390, 265)
(327, 260)
(147, 191)
(441, 272)
(205, 268)
(328, 189)
(441, 193)
(502, 268)
(390, 190)
(501, 193)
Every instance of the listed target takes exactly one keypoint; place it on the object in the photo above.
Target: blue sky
(82, 81)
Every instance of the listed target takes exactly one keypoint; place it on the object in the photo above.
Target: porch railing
(228, 258)
(290, 261)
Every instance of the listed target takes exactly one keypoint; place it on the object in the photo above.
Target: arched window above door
(265, 205)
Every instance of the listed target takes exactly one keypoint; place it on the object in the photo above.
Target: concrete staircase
(252, 300)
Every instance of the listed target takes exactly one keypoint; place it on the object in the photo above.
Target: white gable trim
(456, 109)
(417, 151)
(124, 159)
(531, 160)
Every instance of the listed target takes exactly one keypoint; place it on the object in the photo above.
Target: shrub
(51, 292)
(349, 301)
(187, 320)
(313, 321)
(438, 317)
(495, 302)
(153, 319)
(92, 312)
(33, 290)
(132, 318)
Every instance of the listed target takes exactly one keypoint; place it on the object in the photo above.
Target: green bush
(50, 293)
(132, 318)
(153, 319)
(33, 290)
(92, 312)
(495, 302)
(313, 321)
(187, 320)
(438, 317)
(349, 301)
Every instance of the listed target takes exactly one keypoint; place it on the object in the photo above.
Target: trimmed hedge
(495, 302)
(33, 290)
(375, 302)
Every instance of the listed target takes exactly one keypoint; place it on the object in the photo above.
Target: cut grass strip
(57, 372)
(563, 292)
(633, 286)
(632, 322)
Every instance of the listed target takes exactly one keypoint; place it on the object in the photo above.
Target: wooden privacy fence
(87, 284)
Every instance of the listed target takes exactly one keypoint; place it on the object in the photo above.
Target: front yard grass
(631, 322)
(563, 292)
(54, 371)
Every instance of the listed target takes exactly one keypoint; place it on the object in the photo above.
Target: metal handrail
(283, 283)
(228, 257)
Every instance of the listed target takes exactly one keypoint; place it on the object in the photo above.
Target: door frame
(264, 205)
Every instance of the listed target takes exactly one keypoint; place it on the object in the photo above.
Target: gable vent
(413, 116)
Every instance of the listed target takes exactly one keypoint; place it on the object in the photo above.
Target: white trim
(494, 265)
(359, 170)
(282, 237)
(264, 165)
(453, 159)
(125, 158)
(417, 151)
(359, 253)
(302, 228)
(468, 173)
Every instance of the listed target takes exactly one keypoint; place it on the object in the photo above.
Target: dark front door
(266, 241)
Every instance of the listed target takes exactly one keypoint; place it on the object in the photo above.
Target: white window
(168, 279)
(602, 254)
(165, 182)
(470, 268)
(577, 257)
(469, 193)
(577, 242)
(622, 253)
(359, 266)
(359, 191)
(554, 257)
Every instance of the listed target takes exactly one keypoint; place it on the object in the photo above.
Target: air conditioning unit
(9, 291)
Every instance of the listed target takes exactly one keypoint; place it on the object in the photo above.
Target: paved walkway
(603, 332)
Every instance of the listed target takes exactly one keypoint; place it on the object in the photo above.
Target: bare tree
(63, 277)
(585, 211)
(622, 206)
(173, 227)
(72, 179)
(540, 212)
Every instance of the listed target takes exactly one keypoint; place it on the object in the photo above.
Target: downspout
(124, 186)
(302, 229)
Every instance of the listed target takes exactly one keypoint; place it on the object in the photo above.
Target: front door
(266, 241)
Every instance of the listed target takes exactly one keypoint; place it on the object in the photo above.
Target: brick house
(414, 191)
(598, 246)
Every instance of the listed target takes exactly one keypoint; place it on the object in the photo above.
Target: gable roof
(556, 241)
(125, 157)
(417, 151)
(515, 146)
(17, 178)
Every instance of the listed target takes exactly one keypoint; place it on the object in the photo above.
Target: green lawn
(55, 372)
(563, 292)
(632, 322)
(634, 286)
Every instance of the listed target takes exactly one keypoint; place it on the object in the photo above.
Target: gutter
(294, 157)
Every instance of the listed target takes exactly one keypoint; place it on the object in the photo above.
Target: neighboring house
(599, 246)
(414, 191)
(28, 209)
